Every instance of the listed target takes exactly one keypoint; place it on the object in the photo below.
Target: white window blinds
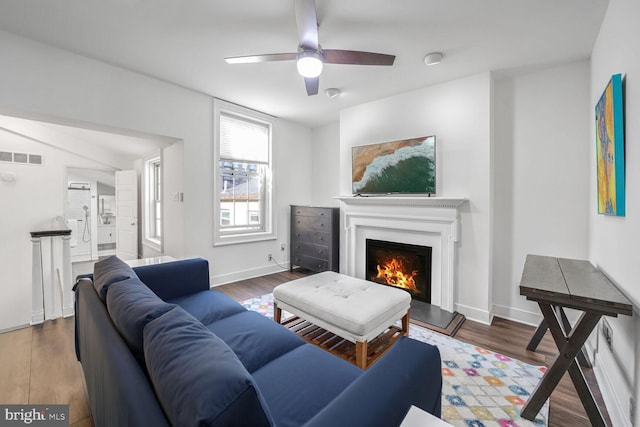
(243, 139)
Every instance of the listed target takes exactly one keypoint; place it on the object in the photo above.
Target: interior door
(127, 214)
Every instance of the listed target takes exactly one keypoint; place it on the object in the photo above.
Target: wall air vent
(35, 159)
(22, 158)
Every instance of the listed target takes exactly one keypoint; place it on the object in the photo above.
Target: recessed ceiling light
(332, 92)
(433, 58)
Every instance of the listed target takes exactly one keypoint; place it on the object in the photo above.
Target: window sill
(234, 239)
(156, 245)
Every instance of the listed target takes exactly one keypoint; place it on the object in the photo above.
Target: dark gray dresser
(315, 238)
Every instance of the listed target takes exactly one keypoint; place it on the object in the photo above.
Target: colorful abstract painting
(610, 149)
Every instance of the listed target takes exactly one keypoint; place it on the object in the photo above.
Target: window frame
(228, 236)
(150, 201)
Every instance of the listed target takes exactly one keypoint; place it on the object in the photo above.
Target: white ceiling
(185, 41)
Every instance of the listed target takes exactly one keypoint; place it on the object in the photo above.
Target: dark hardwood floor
(38, 364)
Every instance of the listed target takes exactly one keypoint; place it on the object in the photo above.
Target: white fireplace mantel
(428, 221)
(437, 202)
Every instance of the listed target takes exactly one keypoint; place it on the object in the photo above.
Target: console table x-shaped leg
(566, 326)
(569, 346)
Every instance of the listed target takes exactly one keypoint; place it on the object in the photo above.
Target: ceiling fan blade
(261, 58)
(312, 83)
(307, 23)
(356, 57)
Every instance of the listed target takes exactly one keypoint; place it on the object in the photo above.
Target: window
(153, 202)
(242, 164)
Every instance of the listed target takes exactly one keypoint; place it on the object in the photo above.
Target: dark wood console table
(557, 283)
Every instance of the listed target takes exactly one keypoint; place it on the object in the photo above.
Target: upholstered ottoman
(354, 309)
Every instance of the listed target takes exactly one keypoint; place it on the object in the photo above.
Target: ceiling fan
(310, 56)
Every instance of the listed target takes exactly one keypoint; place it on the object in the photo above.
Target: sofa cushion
(109, 271)
(245, 332)
(176, 278)
(131, 306)
(197, 377)
(299, 384)
(208, 306)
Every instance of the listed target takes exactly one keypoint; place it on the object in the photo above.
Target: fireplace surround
(425, 221)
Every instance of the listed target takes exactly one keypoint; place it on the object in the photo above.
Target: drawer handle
(322, 238)
(321, 224)
(298, 221)
(298, 234)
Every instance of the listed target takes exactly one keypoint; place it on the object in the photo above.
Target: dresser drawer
(310, 236)
(301, 223)
(309, 249)
(311, 211)
(311, 263)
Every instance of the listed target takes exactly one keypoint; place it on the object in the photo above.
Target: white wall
(28, 204)
(326, 154)
(173, 172)
(541, 185)
(42, 82)
(458, 113)
(613, 242)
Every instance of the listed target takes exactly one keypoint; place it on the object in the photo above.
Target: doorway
(90, 213)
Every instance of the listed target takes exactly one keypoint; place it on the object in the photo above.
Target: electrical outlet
(607, 333)
(283, 246)
(269, 257)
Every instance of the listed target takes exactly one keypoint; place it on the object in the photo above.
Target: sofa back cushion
(109, 271)
(199, 381)
(131, 306)
(176, 278)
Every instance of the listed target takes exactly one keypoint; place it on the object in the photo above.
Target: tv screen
(406, 167)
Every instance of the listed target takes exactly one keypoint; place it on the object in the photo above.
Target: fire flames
(393, 273)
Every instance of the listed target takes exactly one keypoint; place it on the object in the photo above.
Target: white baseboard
(472, 313)
(224, 279)
(617, 404)
(14, 328)
(517, 315)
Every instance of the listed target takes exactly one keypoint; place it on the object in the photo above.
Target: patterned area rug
(480, 388)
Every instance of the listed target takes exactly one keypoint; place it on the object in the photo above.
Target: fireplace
(401, 265)
(426, 221)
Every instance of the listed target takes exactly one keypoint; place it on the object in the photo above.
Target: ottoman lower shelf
(341, 347)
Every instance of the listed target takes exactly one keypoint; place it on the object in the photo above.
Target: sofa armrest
(410, 373)
(177, 278)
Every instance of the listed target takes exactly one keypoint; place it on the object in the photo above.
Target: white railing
(51, 292)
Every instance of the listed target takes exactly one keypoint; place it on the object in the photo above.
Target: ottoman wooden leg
(277, 313)
(361, 354)
(405, 324)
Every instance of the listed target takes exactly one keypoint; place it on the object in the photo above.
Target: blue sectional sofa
(158, 348)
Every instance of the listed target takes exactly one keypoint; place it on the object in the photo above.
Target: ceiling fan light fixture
(309, 64)
(433, 58)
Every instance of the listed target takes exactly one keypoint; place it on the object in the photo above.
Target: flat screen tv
(396, 167)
